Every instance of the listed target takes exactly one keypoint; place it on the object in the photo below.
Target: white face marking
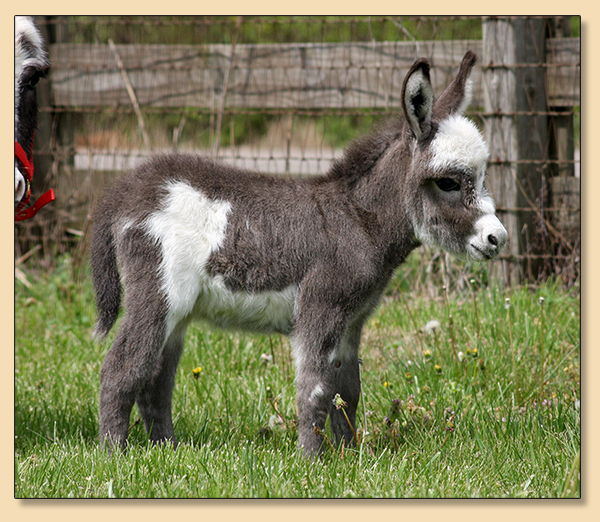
(189, 227)
(344, 353)
(486, 205)
(458, 144)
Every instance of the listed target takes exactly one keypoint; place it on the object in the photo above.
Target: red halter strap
(44, 199)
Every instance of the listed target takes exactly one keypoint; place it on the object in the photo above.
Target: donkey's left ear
(457, 96)
(417, 99)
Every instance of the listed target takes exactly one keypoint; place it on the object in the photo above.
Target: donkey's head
(446, 200)
(31, 64)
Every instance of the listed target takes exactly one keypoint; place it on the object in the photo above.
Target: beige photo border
(319, 510)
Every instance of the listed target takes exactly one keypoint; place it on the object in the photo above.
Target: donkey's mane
(363, 153)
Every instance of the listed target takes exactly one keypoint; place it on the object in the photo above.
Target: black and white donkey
(31, 64)
(185, 237)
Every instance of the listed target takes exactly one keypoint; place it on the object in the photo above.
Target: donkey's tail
(105, 274)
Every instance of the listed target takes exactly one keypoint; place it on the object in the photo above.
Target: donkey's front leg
(314, 383)
(316, 339)
(346, 378)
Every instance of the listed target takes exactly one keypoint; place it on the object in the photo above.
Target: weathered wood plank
(305, 76)
(265, 76)
(564, 74)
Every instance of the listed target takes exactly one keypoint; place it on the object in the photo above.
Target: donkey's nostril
(493, 239)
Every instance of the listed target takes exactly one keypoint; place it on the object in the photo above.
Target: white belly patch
(189, 227)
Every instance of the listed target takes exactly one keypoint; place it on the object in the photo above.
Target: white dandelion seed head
(432, 326)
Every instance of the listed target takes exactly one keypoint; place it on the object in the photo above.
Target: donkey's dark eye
(447, 184)
(33, 81)
(32, 78)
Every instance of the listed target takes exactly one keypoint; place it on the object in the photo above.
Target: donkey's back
(221, 244)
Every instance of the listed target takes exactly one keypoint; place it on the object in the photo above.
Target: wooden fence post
(565, 189)
(516, 127)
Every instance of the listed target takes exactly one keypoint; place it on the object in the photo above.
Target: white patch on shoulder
(459, 144)
(124, 225)
(189, 227)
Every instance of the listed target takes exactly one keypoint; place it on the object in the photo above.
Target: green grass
(430, 425)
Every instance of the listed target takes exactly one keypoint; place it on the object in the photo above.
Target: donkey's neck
(371, 173)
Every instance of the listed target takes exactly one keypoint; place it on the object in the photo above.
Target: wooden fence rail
(271, 76)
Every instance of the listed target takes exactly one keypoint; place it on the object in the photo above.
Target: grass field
(465, 394)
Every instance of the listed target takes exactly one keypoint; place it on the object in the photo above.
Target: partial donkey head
(446, 199)
(31, 64)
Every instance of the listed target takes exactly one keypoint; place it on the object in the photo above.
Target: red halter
(47, 197)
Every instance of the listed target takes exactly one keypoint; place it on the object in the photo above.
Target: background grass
(442, 414)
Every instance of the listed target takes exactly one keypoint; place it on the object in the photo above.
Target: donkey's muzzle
(489, 239)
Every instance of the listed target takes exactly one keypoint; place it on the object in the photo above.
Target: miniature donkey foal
(186, 237)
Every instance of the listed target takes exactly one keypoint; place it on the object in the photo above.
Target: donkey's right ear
(417, 99)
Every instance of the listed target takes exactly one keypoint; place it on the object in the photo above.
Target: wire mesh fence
(285, 95)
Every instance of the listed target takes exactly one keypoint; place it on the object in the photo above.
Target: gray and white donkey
(187, 237)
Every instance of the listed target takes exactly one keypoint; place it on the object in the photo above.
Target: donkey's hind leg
(154, 399)
(127, 367)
